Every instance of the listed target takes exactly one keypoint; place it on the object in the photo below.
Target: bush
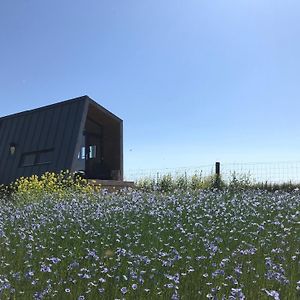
(61, 186)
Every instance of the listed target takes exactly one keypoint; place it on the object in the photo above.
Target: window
(28, 159)
(36, 158)
(93, 151)
(81, 154)
(44, 157)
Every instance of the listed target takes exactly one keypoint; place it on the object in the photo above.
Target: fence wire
(204, 170)
(271, 172)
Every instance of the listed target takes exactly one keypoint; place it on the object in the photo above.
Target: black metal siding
(11, 162)
(6, 129)
(22, 142)
(78, 136)
(44, 141)
(75, 133)
(53, 127)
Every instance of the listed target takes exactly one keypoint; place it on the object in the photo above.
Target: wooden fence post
(218, 168)
(218, 175)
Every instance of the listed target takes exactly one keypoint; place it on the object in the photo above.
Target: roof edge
(103, 109)
(65, 102)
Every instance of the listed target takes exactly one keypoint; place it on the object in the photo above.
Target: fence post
(218, 169)
(218, 175)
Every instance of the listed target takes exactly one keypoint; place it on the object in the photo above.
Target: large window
(36, 158)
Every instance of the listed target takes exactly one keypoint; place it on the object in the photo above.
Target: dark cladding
(76, 135)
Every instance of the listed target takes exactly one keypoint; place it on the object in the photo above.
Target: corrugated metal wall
(55, 127)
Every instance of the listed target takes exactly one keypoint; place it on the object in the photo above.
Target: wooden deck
(111, 184)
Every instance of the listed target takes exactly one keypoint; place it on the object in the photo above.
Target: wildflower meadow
(137, 244)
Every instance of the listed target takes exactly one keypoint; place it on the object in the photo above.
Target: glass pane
(93, 151)
(44, 157)
(28, 159)
(82, 152)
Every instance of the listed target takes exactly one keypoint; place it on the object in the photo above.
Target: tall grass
(169, 183)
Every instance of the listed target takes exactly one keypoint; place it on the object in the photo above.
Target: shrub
(61, 185)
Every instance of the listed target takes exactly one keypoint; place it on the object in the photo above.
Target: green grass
(180, 244)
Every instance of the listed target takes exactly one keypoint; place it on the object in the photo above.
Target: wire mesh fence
(256, 172)
(204, 170)
(272, 172)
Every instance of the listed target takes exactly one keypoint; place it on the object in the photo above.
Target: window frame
(36, 161)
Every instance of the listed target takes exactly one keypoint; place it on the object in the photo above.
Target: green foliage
(146, 184)
(239, 181)
(61, 185)
(181, 182)
(4, 191)
(168, 183)
(285, 186)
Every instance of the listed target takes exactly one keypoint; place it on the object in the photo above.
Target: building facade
(77, 135)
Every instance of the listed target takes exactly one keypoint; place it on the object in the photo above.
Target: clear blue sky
(194, 81)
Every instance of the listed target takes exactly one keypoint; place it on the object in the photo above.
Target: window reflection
(91, 154)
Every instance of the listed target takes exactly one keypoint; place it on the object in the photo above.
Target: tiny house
(77, 135)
